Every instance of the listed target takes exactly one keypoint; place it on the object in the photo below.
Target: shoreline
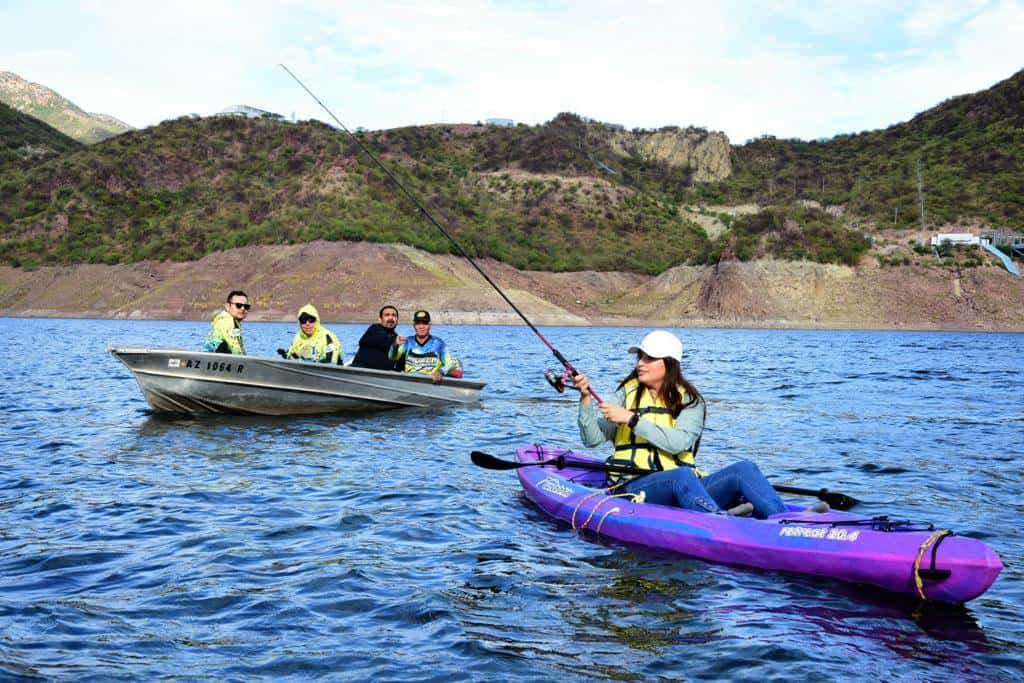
(500, 319)
(349, 281)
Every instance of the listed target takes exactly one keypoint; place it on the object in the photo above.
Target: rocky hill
(48, 106)
(349, 281)
(25, 138)
(815, 233)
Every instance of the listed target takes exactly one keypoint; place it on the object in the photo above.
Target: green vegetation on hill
(571, 194)
(971, 153)
(23, 137)
(190, 187)
(792, 234)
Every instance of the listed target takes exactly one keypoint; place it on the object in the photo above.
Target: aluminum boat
(180, 381)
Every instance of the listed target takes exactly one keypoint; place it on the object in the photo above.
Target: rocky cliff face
(48, 106)
(350, 281)
(706, 153)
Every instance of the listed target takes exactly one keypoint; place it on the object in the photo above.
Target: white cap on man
(660, 344)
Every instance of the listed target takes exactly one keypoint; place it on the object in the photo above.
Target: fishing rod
(557, 382)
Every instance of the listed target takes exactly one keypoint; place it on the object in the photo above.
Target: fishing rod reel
(557, 381)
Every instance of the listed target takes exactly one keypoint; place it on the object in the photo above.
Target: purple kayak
(896, 556)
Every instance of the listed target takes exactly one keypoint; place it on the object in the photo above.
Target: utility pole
(920, 191)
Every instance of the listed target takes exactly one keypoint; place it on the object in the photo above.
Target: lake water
(139, 547)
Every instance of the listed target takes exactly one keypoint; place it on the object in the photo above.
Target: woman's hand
(582, 384)
(616, 414)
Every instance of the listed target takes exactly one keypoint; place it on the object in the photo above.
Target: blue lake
(140, 547)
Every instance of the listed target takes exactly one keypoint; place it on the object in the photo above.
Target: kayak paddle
(836, 500)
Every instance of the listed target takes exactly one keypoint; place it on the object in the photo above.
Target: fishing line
(426, 214)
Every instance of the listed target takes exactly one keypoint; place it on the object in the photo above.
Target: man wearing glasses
(226, 327)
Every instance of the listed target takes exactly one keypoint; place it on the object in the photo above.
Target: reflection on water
(142, 546)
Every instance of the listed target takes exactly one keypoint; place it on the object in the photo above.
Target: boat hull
(178, 381)
(840, 545)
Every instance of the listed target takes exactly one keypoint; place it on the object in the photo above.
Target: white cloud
(788, 68)
(931, 18)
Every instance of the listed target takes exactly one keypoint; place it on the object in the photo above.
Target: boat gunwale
(291, 365)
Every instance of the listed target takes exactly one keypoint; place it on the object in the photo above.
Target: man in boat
(376, 342)
(313, 343)
(226, 327)
(423, 353)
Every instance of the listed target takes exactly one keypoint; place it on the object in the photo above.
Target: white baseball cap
(660, 344)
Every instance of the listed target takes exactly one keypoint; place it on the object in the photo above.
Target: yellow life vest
(637, 451)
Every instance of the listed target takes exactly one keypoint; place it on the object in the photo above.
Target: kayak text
(833, 534)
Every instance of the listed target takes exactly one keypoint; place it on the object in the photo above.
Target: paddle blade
(838, 501)
(489, 462)
(835, 500)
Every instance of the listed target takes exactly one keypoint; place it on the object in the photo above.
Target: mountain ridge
(57, 111)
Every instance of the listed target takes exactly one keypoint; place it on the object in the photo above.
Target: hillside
(971, 154)
(534, 197)
(569, 195)
(23, 137)
(48, 106)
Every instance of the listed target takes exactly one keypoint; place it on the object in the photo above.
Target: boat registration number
(211, 365)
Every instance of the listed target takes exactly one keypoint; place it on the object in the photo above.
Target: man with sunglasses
(226, 327)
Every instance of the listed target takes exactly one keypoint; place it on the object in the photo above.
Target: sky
(787, 68)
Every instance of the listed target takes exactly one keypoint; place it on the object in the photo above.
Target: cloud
(932, 18)
(789, 68)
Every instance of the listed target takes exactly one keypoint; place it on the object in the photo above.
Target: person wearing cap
(422, 353)
(376, 342)
(656, 424)
(313, 342)
(226, 327)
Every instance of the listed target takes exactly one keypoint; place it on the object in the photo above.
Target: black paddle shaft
(839, 501)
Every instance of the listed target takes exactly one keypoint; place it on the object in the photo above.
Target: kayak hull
(836, 544)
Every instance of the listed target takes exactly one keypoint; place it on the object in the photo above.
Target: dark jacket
(373, 349)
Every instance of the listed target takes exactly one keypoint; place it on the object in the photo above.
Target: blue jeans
(729, 486)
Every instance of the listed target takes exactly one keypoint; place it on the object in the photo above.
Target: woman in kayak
(656, 425)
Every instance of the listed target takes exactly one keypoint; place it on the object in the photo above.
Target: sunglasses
(238, 305)
(305, 320)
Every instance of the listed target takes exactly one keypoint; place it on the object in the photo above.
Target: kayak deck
(841, 545)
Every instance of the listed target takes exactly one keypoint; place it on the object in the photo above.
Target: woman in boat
(656, 424)
(313, 343)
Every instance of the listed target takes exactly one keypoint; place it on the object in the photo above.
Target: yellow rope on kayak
(634, 496)
(918, 583)
(601, 521)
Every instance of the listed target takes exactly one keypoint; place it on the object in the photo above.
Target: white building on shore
(955, 238)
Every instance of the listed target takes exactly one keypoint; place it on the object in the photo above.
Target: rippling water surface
(140, 547)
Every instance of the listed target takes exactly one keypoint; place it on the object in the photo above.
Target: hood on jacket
(310, 309)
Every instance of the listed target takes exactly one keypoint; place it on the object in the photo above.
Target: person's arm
(447, 361)
(214, 344)
(396, 352)
(678, 439)
(293, 350)
(594, 429)
(219, 339)
(377, 337)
